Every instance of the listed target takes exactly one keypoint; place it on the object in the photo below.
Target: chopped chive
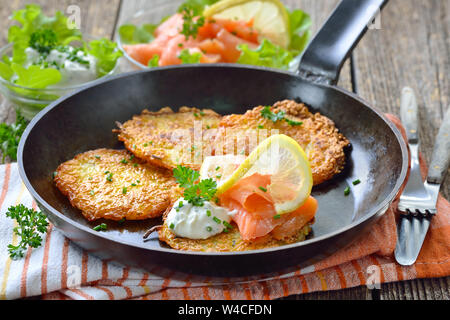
(202, 113)
(263, 189)
(124, 161)
(217, 220)
(54, 174)
(106, 172)
(133, 184)
(180, 204)
(151, 142)
(347, 191)
(277, 216)
(135, 165)
(109, 177)
(172, 226)
(208, 127)
(92, 192)
(196, 114)
(357, 181)
(145, 144)
(138, 181)
(98, 157)
(260, 126)
(131, 157)
(208, 228)
(121, 220)
(217, 168)
(124, 190)
(226, 224)
(100, 227)
(219, 176)
(90, 178)
(180, 45)
(208, 213)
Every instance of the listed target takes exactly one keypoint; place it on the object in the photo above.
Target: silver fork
(418, 200)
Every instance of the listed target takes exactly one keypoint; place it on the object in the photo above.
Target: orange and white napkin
(60, 269)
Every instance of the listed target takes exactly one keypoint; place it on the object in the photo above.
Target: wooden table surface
(412, 48)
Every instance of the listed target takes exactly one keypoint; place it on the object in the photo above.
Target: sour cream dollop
(194, 222)
(72, 72)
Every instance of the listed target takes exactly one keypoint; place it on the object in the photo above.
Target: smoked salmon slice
(255, 213)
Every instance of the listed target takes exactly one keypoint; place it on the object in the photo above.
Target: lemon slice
(270, 17)
(279, 156)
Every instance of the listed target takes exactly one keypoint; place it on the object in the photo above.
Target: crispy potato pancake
(166, 138)
(317, 135)
(230, 241)
(115, 185)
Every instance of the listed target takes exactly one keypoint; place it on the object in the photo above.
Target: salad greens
(131, 34)
(44, 34)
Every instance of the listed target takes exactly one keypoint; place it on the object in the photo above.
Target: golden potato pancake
(167, 139)
(115, 185)
(227, 241)
(317, 135)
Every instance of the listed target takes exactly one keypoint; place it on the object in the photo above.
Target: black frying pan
(84, 120)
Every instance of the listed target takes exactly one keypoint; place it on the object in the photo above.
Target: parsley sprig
(31, 224)
(10, 137)
(280, 115)
(195, 192)
(191, 22)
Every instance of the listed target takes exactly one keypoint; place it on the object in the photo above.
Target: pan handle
(323, 59)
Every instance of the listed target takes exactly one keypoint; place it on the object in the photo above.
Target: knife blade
(440, 159)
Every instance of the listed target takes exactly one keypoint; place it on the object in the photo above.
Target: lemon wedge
(279, 156)
(270, 18)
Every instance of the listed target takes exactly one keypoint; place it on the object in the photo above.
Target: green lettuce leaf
(6, 72)
(154, 61)
(35, 77)
(299, 28)
(267, 54)
(130, 34)
(188, 58)
(106, 53)
(31, 19)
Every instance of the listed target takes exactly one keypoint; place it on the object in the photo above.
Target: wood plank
(411, 49)
(97, 18)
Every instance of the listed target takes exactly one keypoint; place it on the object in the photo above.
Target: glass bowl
(153, 16)
(30, 101)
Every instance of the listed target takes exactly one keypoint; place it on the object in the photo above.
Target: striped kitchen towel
(60, 269)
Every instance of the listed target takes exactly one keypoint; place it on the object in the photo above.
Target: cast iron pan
(84, 121)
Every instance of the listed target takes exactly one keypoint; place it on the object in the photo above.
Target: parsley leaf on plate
(10, 137)
(30, 225)
(195, 192)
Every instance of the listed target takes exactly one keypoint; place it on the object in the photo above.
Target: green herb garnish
(277, 216)
(10, 136)
(263, 189)
(280, 115)
(124, 190)
(191, 22)
(100, 227)
(217, 220)
(356, 182)
(347, 191)
(195, 192)
(172, 226)
(209, 228)
(30, 225)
